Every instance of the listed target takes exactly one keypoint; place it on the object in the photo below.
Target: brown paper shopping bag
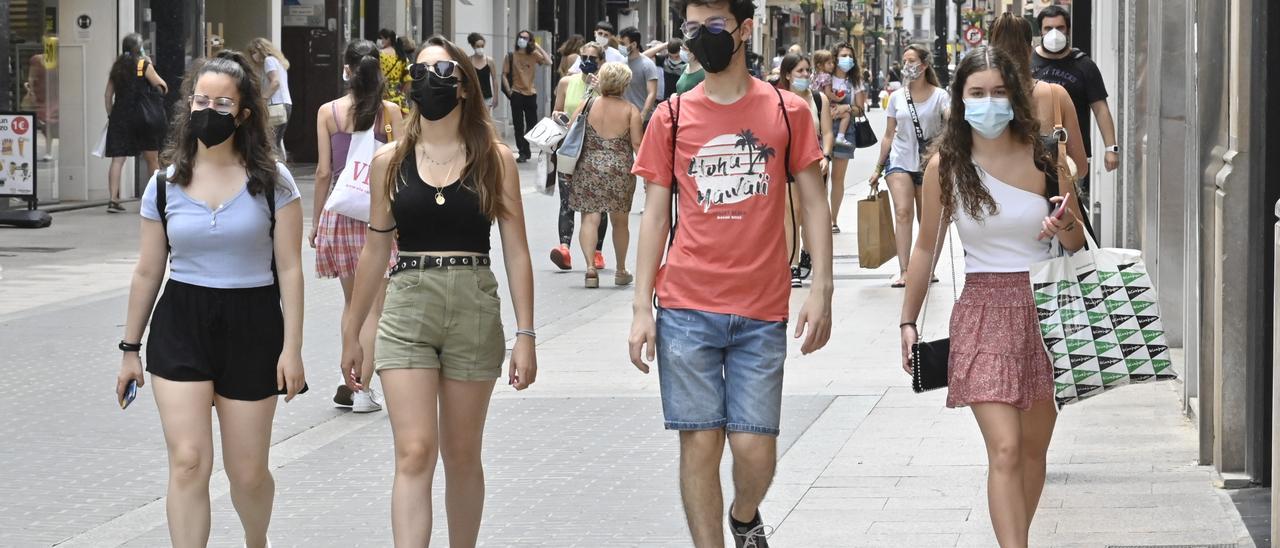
(876, 244)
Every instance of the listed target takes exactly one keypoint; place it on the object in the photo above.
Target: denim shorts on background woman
(720, 371)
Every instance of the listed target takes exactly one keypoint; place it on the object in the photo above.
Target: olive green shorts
(446, 318)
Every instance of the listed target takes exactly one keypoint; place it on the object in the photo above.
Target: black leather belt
(417, 262)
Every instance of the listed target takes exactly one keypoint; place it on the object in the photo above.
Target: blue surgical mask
(989, 116)
(845, 63)
(624, 50)
(684, 55)
(800, 85)
(522, 43)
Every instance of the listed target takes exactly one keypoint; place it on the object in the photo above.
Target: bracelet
(527, 332)
(904, 324)
(129, 347)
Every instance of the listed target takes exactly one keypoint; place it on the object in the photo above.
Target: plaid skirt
(997, 354)
(339, 240)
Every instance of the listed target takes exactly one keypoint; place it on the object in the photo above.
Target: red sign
(973, 35)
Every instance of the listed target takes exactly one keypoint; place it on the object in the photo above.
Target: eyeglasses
(715, 25)
(590, 58)
(445, 68)
(221, 104)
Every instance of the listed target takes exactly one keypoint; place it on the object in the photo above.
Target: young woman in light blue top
(228, 329)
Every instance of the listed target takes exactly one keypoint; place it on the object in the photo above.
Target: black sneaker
(806, 265)
(796, 279)
(751, 535)
(342, 398)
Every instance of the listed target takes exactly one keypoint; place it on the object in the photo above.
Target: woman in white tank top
(993, 179)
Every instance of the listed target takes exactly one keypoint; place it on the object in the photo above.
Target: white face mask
(1054, 41)
(480, 51)
(522, 43)
(684, 55)
(602, 40)
(624, 50)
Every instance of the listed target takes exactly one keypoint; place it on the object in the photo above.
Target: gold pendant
(439, 198)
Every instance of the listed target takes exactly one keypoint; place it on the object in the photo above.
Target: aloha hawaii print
(731, 168)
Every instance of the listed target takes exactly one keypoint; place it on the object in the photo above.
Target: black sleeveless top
(424, 225)
(486, 81)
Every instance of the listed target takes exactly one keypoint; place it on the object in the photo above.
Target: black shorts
(232, 337)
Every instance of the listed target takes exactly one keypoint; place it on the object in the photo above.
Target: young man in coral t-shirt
(720, 334)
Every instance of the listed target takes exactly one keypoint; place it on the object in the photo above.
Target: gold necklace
(440, 200)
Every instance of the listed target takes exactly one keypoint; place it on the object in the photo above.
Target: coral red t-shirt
(730, 250)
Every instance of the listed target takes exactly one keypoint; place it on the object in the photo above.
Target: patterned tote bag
(1100, 321)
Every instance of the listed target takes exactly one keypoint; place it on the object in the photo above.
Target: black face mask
(590, 66)
(436, 97)
(715, 51)
(212, 127)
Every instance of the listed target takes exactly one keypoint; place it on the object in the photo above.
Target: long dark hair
(957, 172)
(484, 170)
(571, 45)
(853, 75)
(123, 69)
(390, 36)
(926, 60)
(253, 140)
(528, 48)
(1012, 34)
(789, 63)
(366, 84)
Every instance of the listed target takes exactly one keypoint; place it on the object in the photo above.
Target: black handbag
(150, 113)
(863, 135)
(929, 358)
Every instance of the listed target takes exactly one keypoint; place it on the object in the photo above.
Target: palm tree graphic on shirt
(756, 152)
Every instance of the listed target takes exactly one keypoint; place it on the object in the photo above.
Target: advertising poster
(17, 154)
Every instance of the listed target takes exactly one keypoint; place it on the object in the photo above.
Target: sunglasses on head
(446, 68)
(714, 25)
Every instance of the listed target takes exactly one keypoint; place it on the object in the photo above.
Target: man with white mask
(1055, 61)
(604, 38)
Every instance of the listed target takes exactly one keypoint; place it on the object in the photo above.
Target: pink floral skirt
(997, 354)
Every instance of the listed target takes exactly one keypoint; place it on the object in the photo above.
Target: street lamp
(877, 12)
(807, 6)
(897, 32)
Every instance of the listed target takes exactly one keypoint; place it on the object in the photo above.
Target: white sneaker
(365, 401)
(842, 140)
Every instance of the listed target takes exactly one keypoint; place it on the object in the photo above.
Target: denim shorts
(720, 371)
(917, 177)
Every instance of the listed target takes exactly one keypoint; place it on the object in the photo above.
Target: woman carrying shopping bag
(994, 180)
(337, 238)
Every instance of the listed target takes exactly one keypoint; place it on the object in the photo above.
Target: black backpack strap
(271, 210)
(795, 233)
(675, 188)
(162, 203)
(782, 107)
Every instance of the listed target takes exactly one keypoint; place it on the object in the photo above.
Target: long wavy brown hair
(957, 172)
(484, 169)
(252, 139)
(1012, 34)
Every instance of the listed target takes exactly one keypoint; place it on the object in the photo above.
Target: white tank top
(1006, 241)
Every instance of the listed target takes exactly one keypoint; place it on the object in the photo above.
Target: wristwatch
(1113, 148)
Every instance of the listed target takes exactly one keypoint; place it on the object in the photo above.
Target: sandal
(900, 281)
(592, 280)
(622, 277)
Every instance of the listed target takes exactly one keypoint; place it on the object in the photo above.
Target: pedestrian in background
(794, 76)
(518, 69)
(1051, 104)
(225, 214)
(673, 67)
(643, 88)
(394, 61)
(129, 131)
(484, 69)
(572, 91)
(338, 239)
(1057, 62)
(915, 117)
(720, 337)
(440, 344)
(569, 54)
(849, 93)
(274, 68)
(693, 71)
(604, 183)
(993, 179)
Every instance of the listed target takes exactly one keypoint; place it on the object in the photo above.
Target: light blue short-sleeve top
(225, 248)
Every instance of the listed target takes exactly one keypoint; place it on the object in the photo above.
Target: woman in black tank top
(440, 343)
(484, 69)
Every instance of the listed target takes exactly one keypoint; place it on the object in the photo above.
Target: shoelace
(759, 531)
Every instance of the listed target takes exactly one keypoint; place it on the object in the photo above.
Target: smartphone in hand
(1062, 207)
(130, 393)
